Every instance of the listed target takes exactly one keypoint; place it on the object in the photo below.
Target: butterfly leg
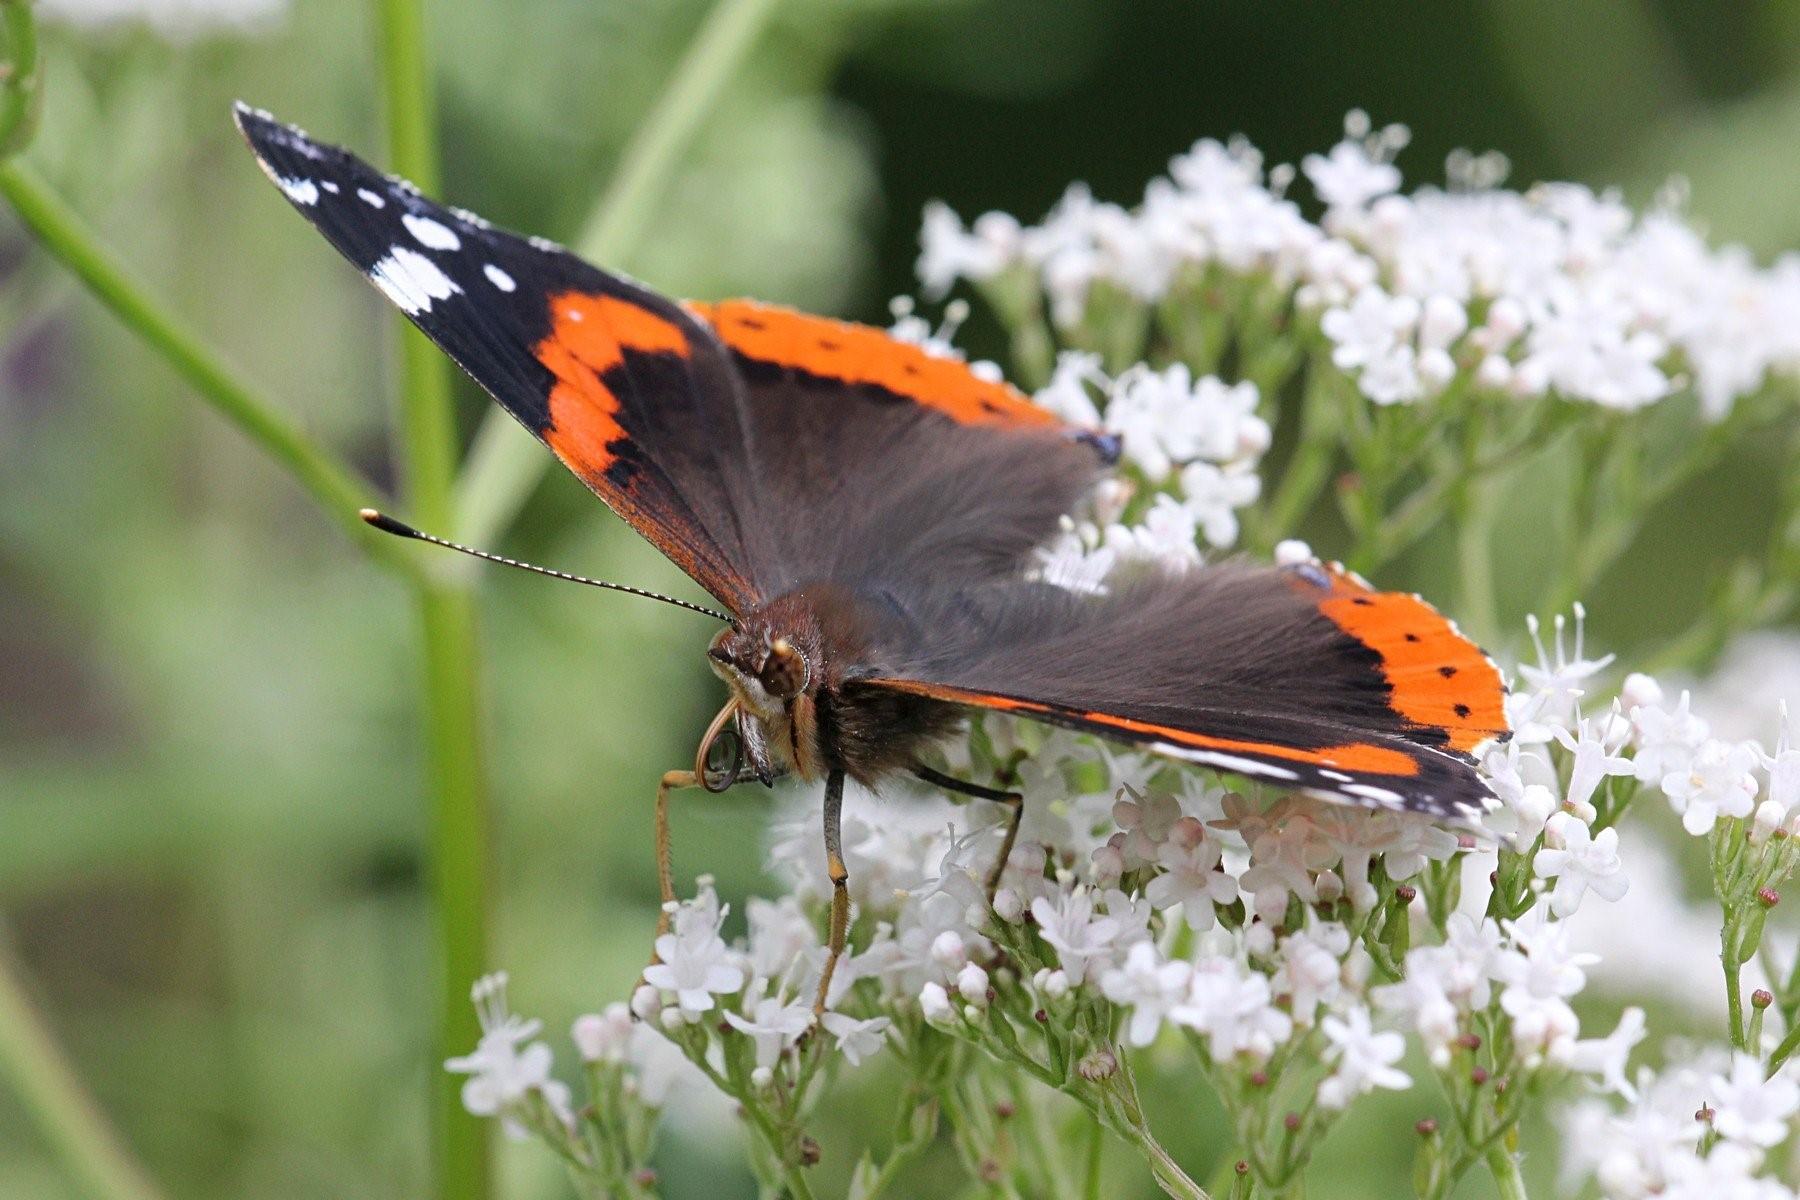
(840, 891)
(1013, 800)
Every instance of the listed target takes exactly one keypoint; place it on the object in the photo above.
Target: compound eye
(784, 672)
(721, 759)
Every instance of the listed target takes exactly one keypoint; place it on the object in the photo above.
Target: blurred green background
(211, 815)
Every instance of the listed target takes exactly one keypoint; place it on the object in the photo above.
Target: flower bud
(646, 1003)
(602, 1037)
(761, 1078)
(1640, 691)
(1506, 318)
(1055, 985)
(972, 984)
(948, 951)
(1556, 830)
(1009, 905)
(1109, 864)
(1494, 373)
(1768, 897)
(1441, 321)
(1769, 816)
(1097, 1065)
(1761, 998)
(672, 1019)
(1330, 887)
(1534, 807)
(934, 1002)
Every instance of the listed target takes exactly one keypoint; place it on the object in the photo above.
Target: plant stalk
(451, 697)
(337, 490)
(505, 463)
(67, 1115)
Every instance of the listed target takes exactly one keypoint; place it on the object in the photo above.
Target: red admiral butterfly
(865, 512)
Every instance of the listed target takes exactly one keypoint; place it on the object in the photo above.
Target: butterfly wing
(888, 463)
(1301, 676)
(633, 394)
(759, 448)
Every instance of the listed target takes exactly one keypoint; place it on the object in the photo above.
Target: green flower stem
(21, 84)
(68, 1117)
(1314, 451)
(505, 464)
(66, 236)
(1505, 1169)
(1784, 1050)
(451, 698)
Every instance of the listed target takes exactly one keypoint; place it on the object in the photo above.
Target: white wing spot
(433, 235)
(300, 191)
(372, 199)
(1336, 776)
(411, 280)
(329, 186)
(499, 278)
(1378, 795)
(1232, 762)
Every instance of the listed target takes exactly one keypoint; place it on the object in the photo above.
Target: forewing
(890, 464)
(628, 389)
(1303, 676)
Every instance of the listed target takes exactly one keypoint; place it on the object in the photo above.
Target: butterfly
(866, 512)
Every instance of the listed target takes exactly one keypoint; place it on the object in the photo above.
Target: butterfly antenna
(387, 524)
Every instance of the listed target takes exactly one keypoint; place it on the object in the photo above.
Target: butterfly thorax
(793, 664)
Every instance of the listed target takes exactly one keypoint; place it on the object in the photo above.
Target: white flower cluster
(1293, 943)
(1699, 1127)
(1196, 442)
(1556, 290)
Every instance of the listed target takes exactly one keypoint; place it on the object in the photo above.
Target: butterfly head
(765, 667)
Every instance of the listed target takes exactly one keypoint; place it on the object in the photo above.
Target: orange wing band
(862, 355)
(1438, 677)
(589, 336)
(1362, 757)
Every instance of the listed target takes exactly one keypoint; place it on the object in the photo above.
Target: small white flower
(1750, 1109)
(1234, 1008)
(947, 252)
(1311, 974)
(1212, 495)
(972, 985)
(1561, 678)
(1190, 876)
(1350, 177)
(1543, 963)
(603, 1037)
(1606, 1057)
(1718, 782)
(774, 1025)
(1084, 943)
(695, 963)
(507, 1065)
(1667, 739)
(1364, 1059)
(1149, 987)
(857, 1039)
(1596, 758)
(934, 1002)
(1583, 860)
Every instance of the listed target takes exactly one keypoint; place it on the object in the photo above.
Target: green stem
(63, 233)
(1734, 1005)
(21, 88)
(1505, 1170)
(505, 463)
(1475, 560)
(52, 1094)
(1784, 1050)
(451, 696)
(1315, 448)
